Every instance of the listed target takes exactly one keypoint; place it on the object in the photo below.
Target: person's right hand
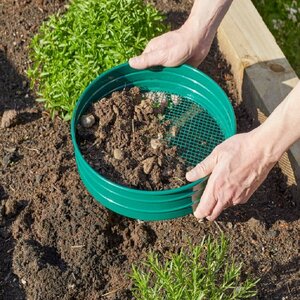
(185, 45)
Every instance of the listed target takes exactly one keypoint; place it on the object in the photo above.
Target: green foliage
(199, 272)
(283, 19)
(92, 36)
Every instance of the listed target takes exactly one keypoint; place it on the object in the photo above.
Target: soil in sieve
(125, 138)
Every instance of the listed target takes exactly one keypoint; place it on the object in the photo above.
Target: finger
(217, 211)
(207, 202)
(149, 59)
(203, 169)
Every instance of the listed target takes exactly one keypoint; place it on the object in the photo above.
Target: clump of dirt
(124, 137)
(9, 118)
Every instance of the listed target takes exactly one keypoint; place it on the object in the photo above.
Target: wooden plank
(262, 73)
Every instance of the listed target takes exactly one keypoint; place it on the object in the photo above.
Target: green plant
(199, 272)
(92, 36)
(283, 19)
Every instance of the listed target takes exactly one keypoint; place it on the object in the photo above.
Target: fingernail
(197, 216)
(200, 220)
(133, 60)
(189, 175)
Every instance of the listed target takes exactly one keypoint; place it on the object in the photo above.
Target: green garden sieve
(203, 114)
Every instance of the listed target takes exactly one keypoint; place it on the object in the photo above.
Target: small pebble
(272, 233)
(160, 135)
(87, 121)
(160, 117)
(174, 130)
(38, 179)
(159, 161)
(7, 159)
(148, 164)
(175, 99)
(155, 143)
(118, 154)
(229, 225)
(10, 149)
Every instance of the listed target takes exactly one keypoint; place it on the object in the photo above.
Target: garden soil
(56, 242)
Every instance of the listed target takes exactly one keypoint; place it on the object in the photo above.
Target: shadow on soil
(15, 93)
(291, 287)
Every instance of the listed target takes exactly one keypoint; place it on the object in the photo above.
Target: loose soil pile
(56, 242)
(128, 142)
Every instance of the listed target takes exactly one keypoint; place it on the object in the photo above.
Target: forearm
(207, 14)
(282, 128)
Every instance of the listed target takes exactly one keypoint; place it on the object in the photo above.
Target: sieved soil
(128, 142)
(56, 242)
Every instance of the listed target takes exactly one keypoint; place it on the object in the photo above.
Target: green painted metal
(205, 117)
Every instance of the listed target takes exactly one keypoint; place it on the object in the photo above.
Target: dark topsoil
(56, 242)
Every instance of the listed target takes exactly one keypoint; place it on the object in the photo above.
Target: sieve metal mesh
(197, 131)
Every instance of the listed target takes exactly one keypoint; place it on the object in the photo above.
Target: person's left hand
(237, 166)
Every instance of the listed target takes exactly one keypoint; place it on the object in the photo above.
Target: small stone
(7, 159)
(38, 178)
(9, 118)
(229, 225)
(159, 161)
(155, 143)
(71, 286)
(160, 117)
(160, 135)
(87, 121)
(10, 149)
(148, 164)
(174, 130)
(118, 154)
(23, 281)
(116, 110)
(272, 233)
(175, 99)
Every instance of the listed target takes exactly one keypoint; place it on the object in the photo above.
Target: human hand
(190, 43)
(237, 167)
(185, 45)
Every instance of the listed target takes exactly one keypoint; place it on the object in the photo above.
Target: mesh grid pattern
(197, 131)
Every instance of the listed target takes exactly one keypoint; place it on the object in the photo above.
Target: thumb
(148, 59)
(203, 169)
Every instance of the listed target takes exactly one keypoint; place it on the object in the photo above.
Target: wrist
(268, 143)
(207, 15)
